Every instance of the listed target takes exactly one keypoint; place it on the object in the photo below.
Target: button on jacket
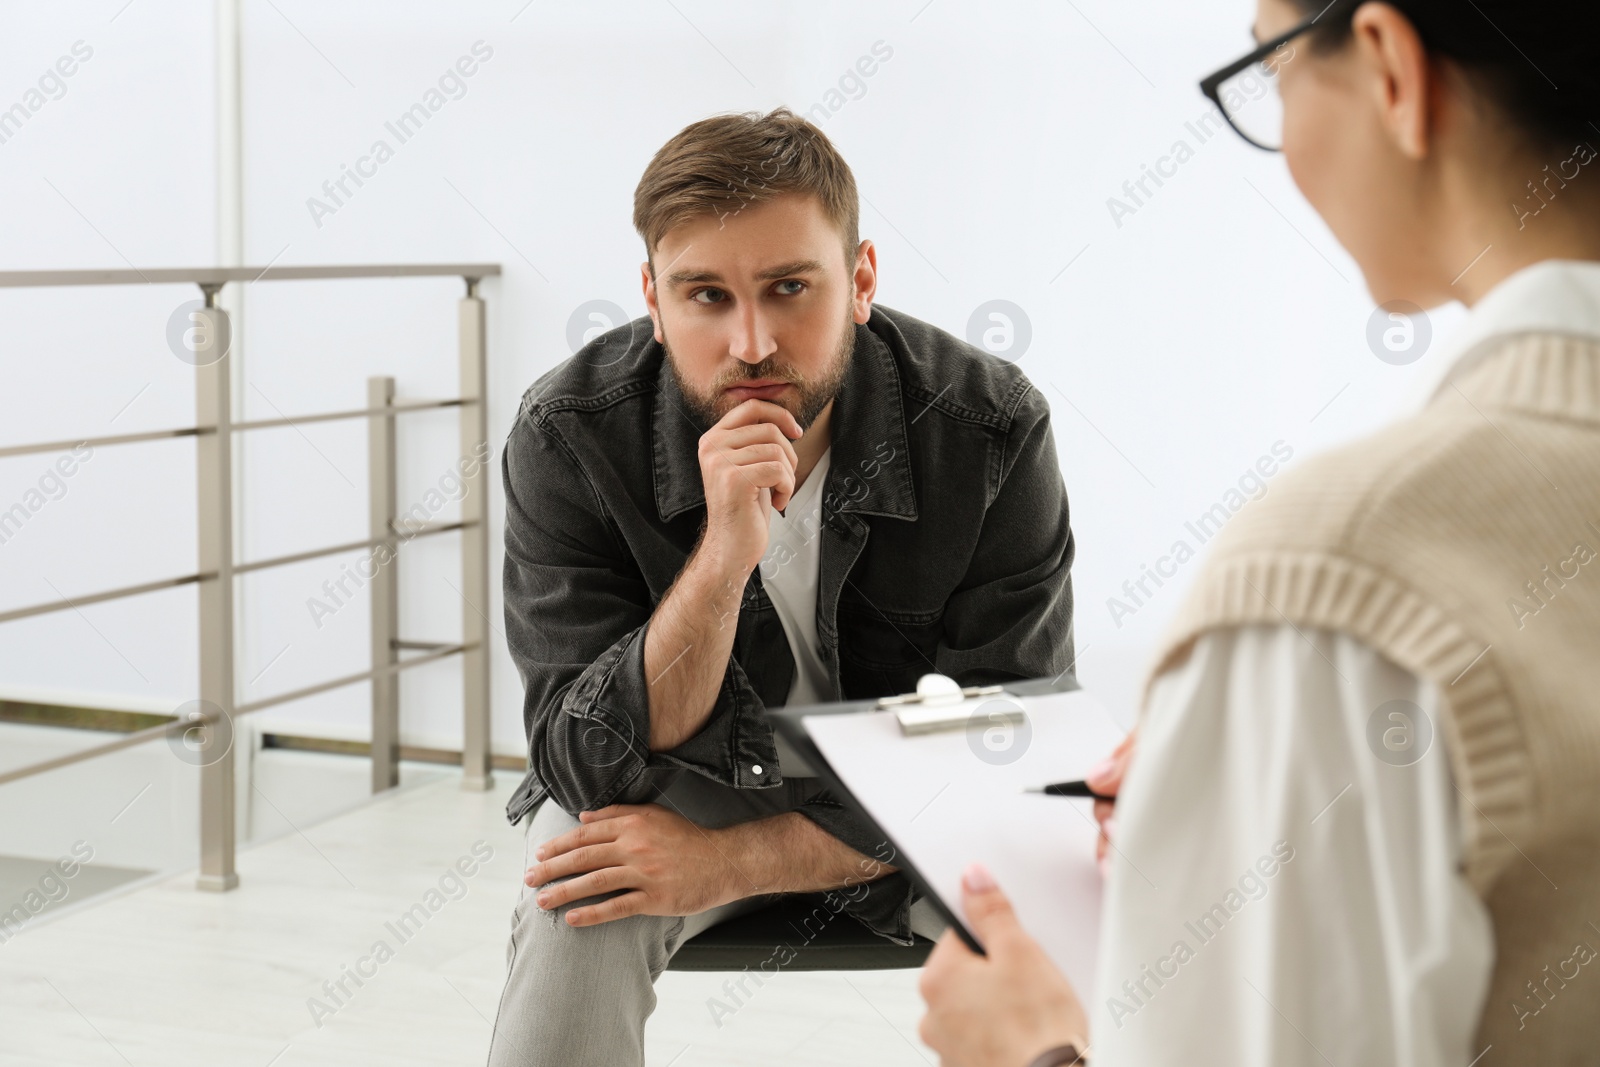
(945, 547)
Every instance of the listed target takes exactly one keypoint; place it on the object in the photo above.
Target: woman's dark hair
(1538, 60)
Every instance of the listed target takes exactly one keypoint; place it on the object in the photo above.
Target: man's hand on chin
(671, 865)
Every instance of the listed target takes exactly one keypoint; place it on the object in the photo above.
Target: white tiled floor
(167, 975)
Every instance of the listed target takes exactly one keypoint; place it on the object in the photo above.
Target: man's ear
(1402, 80)
(647, 280)
(865, 282)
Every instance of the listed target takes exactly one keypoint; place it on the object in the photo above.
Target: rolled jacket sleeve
(885, 906)
(577, 612)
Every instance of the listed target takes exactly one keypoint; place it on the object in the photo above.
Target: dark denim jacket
(945, 547)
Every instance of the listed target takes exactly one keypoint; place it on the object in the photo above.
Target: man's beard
(815, 393)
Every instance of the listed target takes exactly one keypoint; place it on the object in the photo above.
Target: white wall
(1216, 320)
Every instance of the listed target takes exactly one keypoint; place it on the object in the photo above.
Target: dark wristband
(1060, 1056)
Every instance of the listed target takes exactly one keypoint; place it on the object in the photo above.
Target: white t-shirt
(789, 573)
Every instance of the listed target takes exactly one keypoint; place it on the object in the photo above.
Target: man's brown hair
(723, 164)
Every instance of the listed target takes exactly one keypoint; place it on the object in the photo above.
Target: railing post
(385, 563)
(214, 514)
(475, 769)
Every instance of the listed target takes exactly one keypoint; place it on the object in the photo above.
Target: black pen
(1079, 788)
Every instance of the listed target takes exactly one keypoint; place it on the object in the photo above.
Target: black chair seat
(798, 933)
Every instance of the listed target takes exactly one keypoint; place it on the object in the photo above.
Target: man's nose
(753, 340)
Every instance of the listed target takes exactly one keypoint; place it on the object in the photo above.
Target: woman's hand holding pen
(1105, 778)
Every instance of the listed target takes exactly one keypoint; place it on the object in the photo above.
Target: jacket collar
(869, 471)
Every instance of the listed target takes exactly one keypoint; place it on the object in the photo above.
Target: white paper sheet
(948, 799)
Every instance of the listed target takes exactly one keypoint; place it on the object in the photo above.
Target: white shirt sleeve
(1285, 884)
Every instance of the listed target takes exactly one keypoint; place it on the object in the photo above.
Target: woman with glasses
(1363, 822)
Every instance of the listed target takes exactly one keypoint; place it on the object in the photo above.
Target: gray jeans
(576, 996)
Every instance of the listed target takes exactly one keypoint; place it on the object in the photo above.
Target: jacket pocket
(884, 641)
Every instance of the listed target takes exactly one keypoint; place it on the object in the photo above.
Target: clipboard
(789, 722)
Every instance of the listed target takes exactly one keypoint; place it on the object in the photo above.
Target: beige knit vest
(1464, 544)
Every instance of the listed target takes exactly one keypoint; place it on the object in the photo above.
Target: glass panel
(78, 831)
(70, 834)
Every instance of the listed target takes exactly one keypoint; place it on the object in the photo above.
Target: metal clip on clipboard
(940, 704)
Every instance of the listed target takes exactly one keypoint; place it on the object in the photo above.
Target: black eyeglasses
(1246, 90)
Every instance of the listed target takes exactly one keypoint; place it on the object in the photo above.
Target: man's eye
(799, 287)
(712, 296)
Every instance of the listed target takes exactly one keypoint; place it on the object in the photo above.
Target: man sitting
(684, 548)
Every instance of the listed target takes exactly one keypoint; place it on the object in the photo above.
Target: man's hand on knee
(670, 865)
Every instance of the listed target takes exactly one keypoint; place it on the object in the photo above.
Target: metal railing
(213, 432)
